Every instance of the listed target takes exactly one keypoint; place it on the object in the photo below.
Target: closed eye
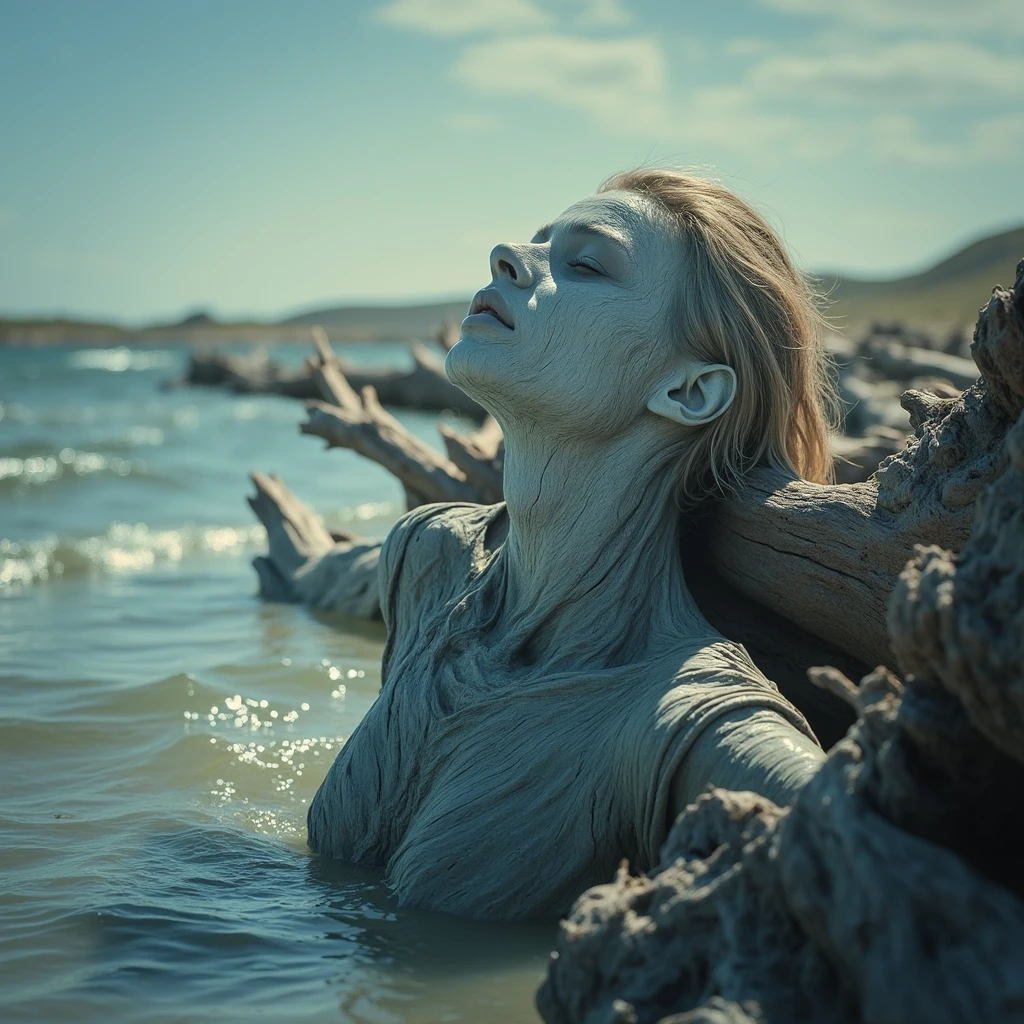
(587, 264)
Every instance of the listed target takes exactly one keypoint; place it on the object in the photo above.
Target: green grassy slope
(951, 291)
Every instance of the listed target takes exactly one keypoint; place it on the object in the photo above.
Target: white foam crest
(368, 510)
(41, 469)
(121, 358)
(125, 547)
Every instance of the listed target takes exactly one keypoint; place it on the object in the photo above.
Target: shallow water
(162, 730)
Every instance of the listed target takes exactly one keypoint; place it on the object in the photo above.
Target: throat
(589, 572)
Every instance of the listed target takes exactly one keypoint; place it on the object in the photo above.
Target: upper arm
(750, 748)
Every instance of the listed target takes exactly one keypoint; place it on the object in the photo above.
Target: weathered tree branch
(359, 422)
(305, 563)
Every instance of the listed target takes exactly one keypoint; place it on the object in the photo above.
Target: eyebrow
(582, 227)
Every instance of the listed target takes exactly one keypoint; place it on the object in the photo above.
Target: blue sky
(261, 157)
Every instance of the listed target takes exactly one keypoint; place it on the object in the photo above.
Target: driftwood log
(891, 891)
(255, 373)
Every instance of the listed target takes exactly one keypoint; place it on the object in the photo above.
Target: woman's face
(572, 331)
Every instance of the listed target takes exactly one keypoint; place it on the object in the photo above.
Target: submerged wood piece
(889, 891)
(250, 373)
(305, 563)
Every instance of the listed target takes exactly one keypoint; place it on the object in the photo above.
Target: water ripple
(117, 360)
(125, 547)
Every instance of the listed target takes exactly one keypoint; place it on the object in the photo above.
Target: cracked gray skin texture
(551, 695)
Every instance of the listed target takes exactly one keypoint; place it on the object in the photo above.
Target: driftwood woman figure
(552, 697)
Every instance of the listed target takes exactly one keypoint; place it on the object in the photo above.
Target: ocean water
(162, 730)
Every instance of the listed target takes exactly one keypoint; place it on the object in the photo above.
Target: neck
(592, 553)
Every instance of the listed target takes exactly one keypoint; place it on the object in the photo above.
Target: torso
(504, 794)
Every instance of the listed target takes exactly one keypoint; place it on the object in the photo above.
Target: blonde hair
(742, 303)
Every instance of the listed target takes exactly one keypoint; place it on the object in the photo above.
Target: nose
(508, 263)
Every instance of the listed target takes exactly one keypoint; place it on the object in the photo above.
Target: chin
(466, 366)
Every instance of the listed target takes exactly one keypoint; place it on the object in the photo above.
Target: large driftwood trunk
(891, 891)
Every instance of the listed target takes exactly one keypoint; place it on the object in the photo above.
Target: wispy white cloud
(899, 137)
(620, 82)
(859, 83)
(623, 85)
(922, 17)
(463, 17)
(919, 72)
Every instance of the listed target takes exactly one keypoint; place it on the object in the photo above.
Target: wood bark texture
(827, 557)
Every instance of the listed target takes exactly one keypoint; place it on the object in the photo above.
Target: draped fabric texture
(502, 790)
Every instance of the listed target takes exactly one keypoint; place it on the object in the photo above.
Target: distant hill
(952, 291)
(369, 323)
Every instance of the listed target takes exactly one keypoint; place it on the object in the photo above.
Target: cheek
(609, 351)
(591, 373)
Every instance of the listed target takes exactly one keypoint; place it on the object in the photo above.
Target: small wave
(185, 417)
(43, 469)
(117, 360)
(125, 547)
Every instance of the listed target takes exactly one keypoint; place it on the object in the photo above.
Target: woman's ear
(695, 396)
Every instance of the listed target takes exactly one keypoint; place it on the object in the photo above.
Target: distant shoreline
(99, 336)
(343, 324)
(103, 336)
